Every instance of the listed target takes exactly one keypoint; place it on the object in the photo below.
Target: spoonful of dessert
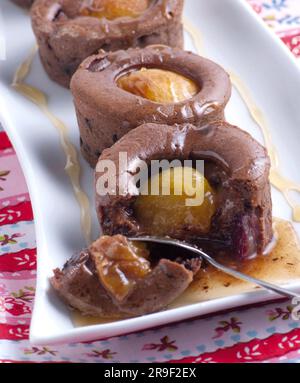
(237, 274)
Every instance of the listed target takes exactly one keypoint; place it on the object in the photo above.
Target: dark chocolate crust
(24, 3)
(66, 39)
(106, 112)
(236, 165)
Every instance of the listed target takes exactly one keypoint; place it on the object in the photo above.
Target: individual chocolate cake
(116, 92)
(114, 278)
(68, 31)
(235, 216)
(24, 3)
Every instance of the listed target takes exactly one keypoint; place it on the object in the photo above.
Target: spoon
(266, 285)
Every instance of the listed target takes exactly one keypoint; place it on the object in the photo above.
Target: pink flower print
(249, 353)
(279, 313)
(25, 295)
(39, 351)
(225, 326)
(165, 345)
(15, 307)
(287, 342)
(9, 240)
(3, 174)
(27, 259)
(105, 354)
(19, 332)
(204, 360)
(10, 215)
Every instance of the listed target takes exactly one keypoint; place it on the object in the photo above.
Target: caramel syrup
(282, 264)
(80, 320)
(278, 180)
(194, 34)
(72, 167)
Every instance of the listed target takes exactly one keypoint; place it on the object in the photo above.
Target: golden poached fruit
(158, 85)
(163, 215)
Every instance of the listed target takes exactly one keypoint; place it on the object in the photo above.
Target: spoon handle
(266, 285)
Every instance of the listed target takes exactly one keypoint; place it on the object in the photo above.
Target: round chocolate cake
(68, 31)
(116, 92)
(24, 3)
(236, 214)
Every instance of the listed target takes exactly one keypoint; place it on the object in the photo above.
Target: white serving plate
(234, 37)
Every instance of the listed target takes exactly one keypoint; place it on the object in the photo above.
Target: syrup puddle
(72, 167)
(80, 320)
(194, 34)
(282, 264)
(281, 183)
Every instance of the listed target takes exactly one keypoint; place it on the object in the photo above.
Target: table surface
(263, 333)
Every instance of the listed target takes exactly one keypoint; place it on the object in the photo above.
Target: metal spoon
(268, 286)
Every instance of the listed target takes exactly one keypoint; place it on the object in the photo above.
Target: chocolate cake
(237, 175)
(24, 3)
(107, 108)
(68, 31)
(80, 282)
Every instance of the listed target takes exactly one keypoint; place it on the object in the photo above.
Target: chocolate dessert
(24, 3)
(116, 92)
(116, 278)
(235, 216)
(68, 31)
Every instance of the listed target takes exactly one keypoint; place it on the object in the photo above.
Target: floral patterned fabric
(283, 16)
(265, 333)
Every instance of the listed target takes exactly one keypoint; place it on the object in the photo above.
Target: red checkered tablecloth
(265, 333)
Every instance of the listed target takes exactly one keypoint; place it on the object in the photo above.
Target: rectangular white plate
(234, 37)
